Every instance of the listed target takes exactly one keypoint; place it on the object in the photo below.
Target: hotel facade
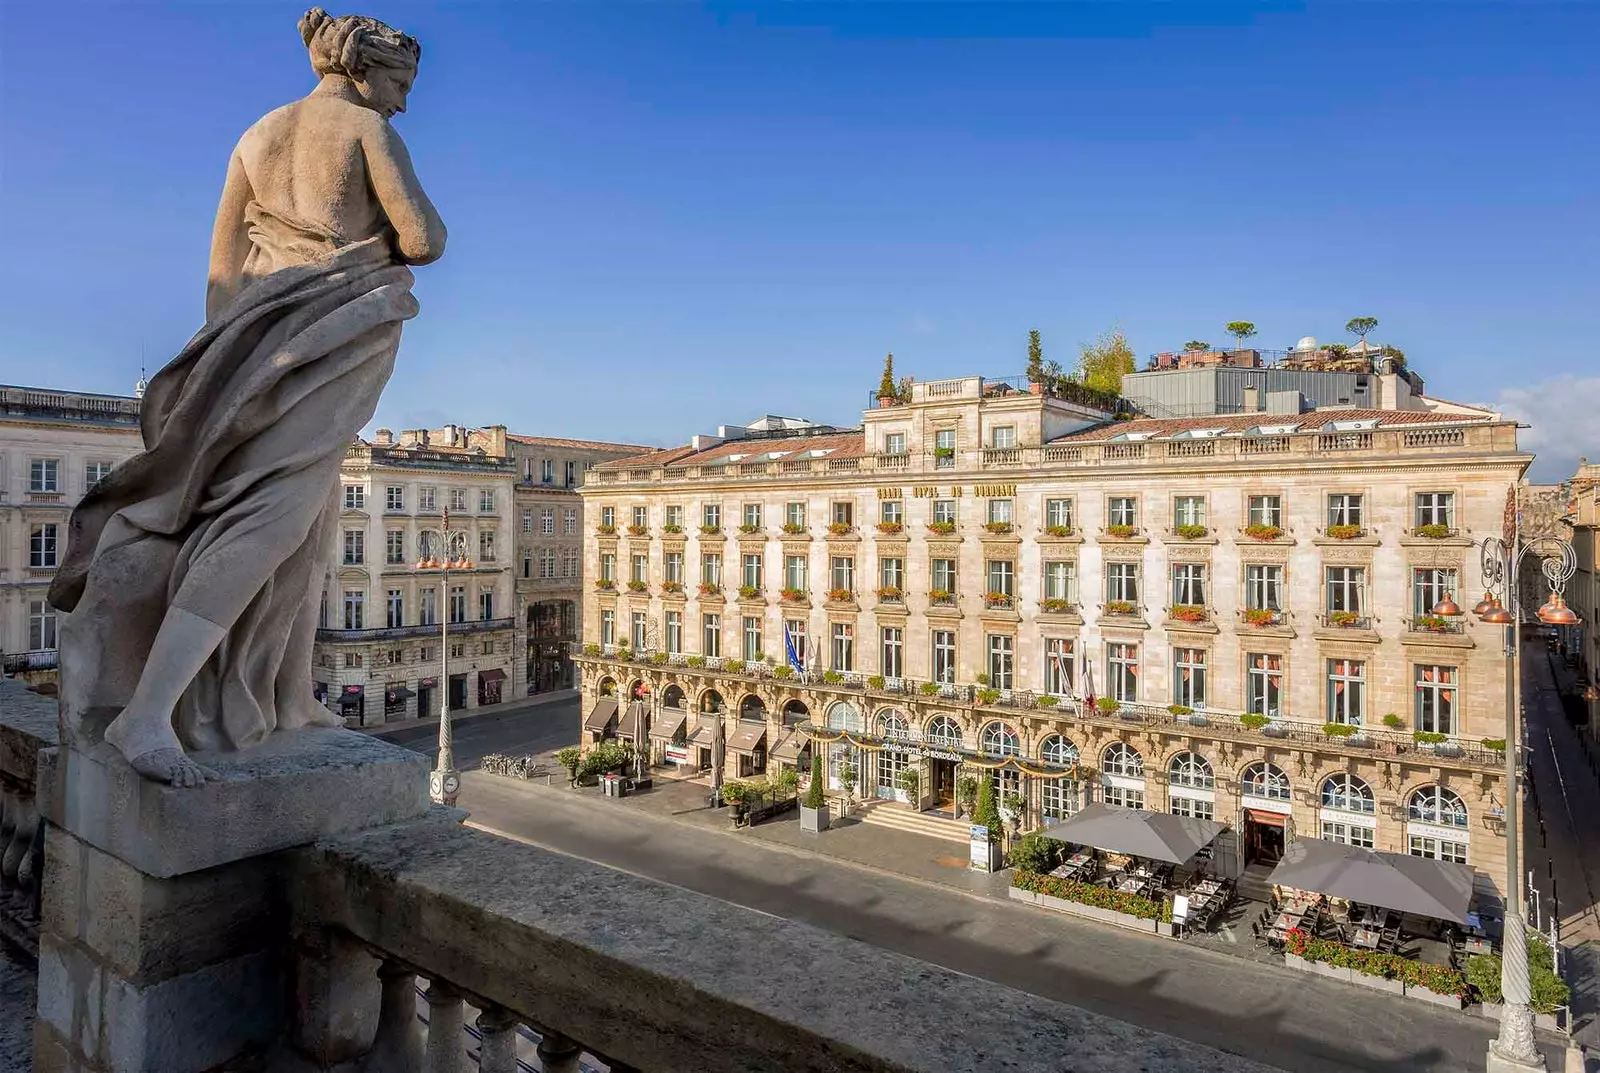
(1227, 616)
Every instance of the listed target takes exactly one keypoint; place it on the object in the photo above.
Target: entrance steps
(904, 818)
(1253, 882)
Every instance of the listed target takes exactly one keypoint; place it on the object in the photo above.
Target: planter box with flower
(1121, 607)
(749, 592)
(638, 530)
(695, 661)
(890, 594)
(625, 655)
(941, 598)
(709, 588)
(833, 678)
(793, 528)
(1089, 900)
(1261, 616)
(875, 681)
(942, 528)
(891, 528)
(711, 530)
(1439, 984)
(1263, 532)
(1058, 530)
(1189, 613)
(749, 529)
(733, 666)
(1344, 619)
(638, 586)
(840, 529)
(840, 596)
(671, 588)
(605, 586)
(997, 528)
(1107, 705)
(987, 696)
(783, 673)
(672, 529)
(606, 530)
(1189, 532)
(793, 596)
(592, 650)
(1000, 600)
(1254, 720)
(1431, 623)
(1343, 532)
(1433, 532)
(928, 689)
(1051, 605)
(1349, 733)
(1120, 532)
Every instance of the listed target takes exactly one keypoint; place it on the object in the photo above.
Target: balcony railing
(19, 662)
(401, 633)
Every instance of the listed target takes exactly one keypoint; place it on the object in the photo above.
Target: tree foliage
(1036, 372)
(1241, 330)
(1361, 326)
(987, 814)
(816, 792)
(886, 387)
(1197, 345)
(1103, 363)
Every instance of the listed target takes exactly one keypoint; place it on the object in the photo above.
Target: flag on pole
(1088, 683)
(1062, 669)
(788, 644)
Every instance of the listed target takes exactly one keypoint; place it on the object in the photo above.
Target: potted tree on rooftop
(814, 809)
(887, 395)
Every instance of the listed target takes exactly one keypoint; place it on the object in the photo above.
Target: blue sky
(668, 216)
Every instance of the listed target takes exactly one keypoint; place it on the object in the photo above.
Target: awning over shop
(400, 693)
(705, 736)
(629, 726)
(492, 675)
(668, 722)
(748, 737)
(600, 716)
(1441, 890)
(788, 747)
(1156, 836)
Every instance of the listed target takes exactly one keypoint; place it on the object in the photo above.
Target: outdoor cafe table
(1081, 857)
(1366, 938)
(1131, 885)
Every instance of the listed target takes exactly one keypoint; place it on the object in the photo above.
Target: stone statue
(193, 575)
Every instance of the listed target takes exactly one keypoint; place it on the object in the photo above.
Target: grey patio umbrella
(1156, 836)
(1441, 890)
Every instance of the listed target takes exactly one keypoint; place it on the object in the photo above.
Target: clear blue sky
(666, 216)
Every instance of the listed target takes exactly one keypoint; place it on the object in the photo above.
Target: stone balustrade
(635, 975)
(28, 726)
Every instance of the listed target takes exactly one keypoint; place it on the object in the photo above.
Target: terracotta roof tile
(588, 445)
(1311, 421)
(852, 444)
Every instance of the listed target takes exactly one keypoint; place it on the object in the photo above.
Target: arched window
(1193, 770)
(891, 724)
(711, 701)
(753, 708)
(943, 733)
(1000, 740)
(1120, 758)
(1435, 804)
(608, 687)
(672, 697)
(1058, 750)
(795, 712)
(844, 716)
(1348, 793)
(1264, 780)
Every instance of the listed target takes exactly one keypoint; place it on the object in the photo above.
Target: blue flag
(788, 644)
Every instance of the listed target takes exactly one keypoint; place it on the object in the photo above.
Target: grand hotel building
(1247, 599)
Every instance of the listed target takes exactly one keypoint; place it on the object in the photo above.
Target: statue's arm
(419, 233)
(230, 239)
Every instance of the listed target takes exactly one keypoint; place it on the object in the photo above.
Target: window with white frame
(1347, 691)
(1122, 671)
(570, 472)
(1439, 849)
(999, 512)
(1122, 510)
(1346, 587)
(1348, 793)
(891, 762)
(608, 627)
(547, 520)
(711, 635)
(711, 515)
(794, 572)
(1344, 508)
(1437, 824)
(944, 656)
(458, 500)
(486, 546)
(1349, 811)
(639, 516)
(752, 514)
(1121, 796)
(1193, 807)
(43, 546)
(711, 569)
(794, 513)
(1001, 575)
(1120, 758)
(94, 473)
(842, 572)
(608, 566)
(547, 562)
(44, 475)
(944, 511)
(894, 443)
(673, 516)
(1192, 771)
(1189, 677)
(844, 512)
(1058, 797)
(355, 547)
(1058, 667)
(485, 501)
(674, 632)
(1263, 587)
(428, 606)
(1122, 582)
(1058, 513)
(426, 503)
(639, 567)
(892, 572)
(486, 604)
(1264, 684)
(41, 626)
(672, 566)
(750, 571)
(527, 522)
(1003, 436)
(355, 497)
(1264, 780)
(943, 572)
(1349, 830)
(1266, 510)
(1430, 585)
(571, 562)
(843, 648)
(998, 739)
(1189, 584)
(943, 733)
(547, 471)
(354, 608)
(752, 638)
(1001, 648)
(569, 521)
(795, 634)
(458, 603)
(944, 446)
(892, 512)
(1188, 510)
(1436, 508)
(893, 663)
(1435, 690)
(1060, 580)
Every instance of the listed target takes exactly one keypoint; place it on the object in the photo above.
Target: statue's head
(378, 60)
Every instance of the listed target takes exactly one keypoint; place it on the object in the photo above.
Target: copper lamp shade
(1447, 607)
(1555, 612)
(1497, 615)
(1482, 607)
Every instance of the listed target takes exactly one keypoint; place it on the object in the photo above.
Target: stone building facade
(54, 445)
(1220, 616)
(1582, 525)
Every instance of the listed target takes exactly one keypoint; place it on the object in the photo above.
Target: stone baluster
(10, 804)
(397, 1047)
(497, 1030)
(446, 1050)
(19, 846)
(30, 873)
(558, 1054)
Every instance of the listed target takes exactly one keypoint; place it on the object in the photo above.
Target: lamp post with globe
(448, 552)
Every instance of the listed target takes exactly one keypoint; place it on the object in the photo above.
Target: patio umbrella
(1441, 890)
(1156, 836)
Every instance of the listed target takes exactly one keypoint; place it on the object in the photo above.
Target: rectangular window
(750, 571)
(999, 512)
(1058, 513)
(1263, 588)
(944, 656)
(425, 500)
(458, 500)
(394, 497)
(486, 547)
(892, 512)
(674, 632)
(1122, 671)
(944, 448)
(569, 521)
(527, 522)
(547, 471)
(673, 516)
(1193, 807)
(44, 475)
(711, 569)
(893, 664)
(842, 572)
(458, 603)
(1266, 510)
(486, 649)
(1264, 684)
(527, 566)
(1438, 849)
(570, 563)
(1003, 436)
(1000, 575)
(1058, 666)
(794, 572)
(844, 512)
(1122, 582)
(355, 547)
(485, 501)
(944, 575)
(844, 646)
(608, 566)
(608, 517)
(547, 562)
(894, 443)
(569, 470)
(94, 473)
(1429, 585)
(1189, 510)
(1436, 699)
(711, 516)
(428, 612)
(711, 635)
(1061, 581)
(1346, 585)
(944, 511)
(1189, 677)
(796, 631)
(1122, 797)
(608, 627)
(639, 568)
(752, 515)
(394, 546)
(641, 516)
(547, 521)
(672, 565)
(892, 573)
(1000, 660)
(354, 605)
(752, 639)
(352, 659)
(1189, 584)
(794, 514)
(636, 631)
(42, 546)
(41, 626)
(1351, 834)
(1123, 510)
(355, 497)
(1347, 691)
(395, 609)
(1436, 508)
(1344, 508)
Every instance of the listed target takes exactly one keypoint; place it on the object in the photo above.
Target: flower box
(1343, 619)
(840, 596)
(1121, 607)
(1417, 991)
(942, 528)
(840, 528)
(605, 586)
(793, 528)
(1189, 613)
(672, 586)
(1261, 616)
(710, 530)
(749, 592)
(1058, 530)
(1343, 532)
(891, 528)
(1263, 532)
(890, 593)
(1432, 532)
(1189, 532)
(638, 586)
(1121, 532)
(672, 529)
(638, 530)
(996, 599)
(941, 597)
(1053, 606)
(749, 529)
(706, 588)
(997, 527)
(1431, 623)
(793, 596)
(606, 530)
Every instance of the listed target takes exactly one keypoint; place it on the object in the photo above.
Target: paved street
(537, 726)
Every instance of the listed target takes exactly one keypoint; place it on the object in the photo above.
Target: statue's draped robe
(231, 511)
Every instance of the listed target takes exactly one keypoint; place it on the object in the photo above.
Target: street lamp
(450, 553)
(1500, 564)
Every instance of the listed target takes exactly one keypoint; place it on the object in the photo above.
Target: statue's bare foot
(152, 748)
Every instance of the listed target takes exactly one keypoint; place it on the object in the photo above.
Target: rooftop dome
(1307, 345)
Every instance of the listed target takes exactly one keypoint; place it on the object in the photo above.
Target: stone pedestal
(164, 944)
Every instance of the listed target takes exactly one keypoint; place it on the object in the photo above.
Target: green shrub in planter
(1497, 744)
(570, 758)
(832, 677)
(982, 679)
(1254, 720)
(1340, 730)
(1038, 854)
(786, 782)
(1429, 737)
(1393, 721)
(734, 793)
(986, 813)
(988, 696)
(733, 666)
(1107, 705)
(592, 650)
(783, 673)
(967, 791)
(695, 661)
(928, 689)
(1047, 701)
(816, 793)
(1549, 990)
(910, 781)
(875, 681)
(1180, 710)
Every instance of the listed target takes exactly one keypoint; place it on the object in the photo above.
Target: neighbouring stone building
(1227, 616)
(1582, 520)
(54, 445)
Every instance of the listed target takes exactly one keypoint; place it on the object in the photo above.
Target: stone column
(164, 944)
